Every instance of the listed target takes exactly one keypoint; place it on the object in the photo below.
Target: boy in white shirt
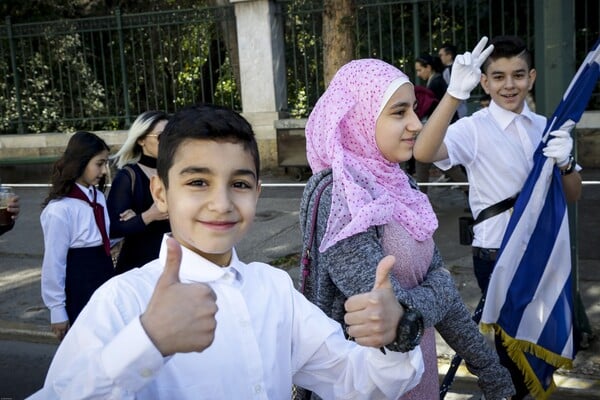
(496, 146)
(198, 323)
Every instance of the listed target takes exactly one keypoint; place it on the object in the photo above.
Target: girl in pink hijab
(366, 207)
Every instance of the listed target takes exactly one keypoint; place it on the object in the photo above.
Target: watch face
(409, 332)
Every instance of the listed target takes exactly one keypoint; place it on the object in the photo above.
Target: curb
(24, 332)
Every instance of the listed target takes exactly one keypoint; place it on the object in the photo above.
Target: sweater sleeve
(121, 198)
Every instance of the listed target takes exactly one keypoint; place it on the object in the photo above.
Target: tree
(339, 19)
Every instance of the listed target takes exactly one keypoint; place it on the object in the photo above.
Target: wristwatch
(409, 331)
(570, 167)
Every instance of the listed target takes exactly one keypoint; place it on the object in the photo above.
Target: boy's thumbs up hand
(180, 317)
(372, 318)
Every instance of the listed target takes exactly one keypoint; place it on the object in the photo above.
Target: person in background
(14, 209)
(198, 322)
(133, 213)
(429, 69)
(75, 225)
(447, 54)
(361, 207)
(426, 103)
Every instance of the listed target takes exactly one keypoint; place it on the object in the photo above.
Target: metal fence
(96, 73)
(397, 31)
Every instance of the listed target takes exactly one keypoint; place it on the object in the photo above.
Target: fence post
(123, 67)
(417, 34)
(262, 70)
(13, 61)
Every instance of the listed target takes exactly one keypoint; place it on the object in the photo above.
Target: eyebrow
(401, 104)
(522, 70)
(206, 170)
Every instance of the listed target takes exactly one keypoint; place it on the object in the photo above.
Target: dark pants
(483, 265)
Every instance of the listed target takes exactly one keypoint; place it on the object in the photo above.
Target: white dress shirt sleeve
(57, 239)
(342, 369)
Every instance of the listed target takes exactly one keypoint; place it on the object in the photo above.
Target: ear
(532, 76)
(484, 83)
(258, 190)
(159, 193)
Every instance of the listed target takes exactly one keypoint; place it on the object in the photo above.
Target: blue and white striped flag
(529, 301)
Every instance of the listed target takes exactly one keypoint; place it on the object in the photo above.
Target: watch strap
(409, 331)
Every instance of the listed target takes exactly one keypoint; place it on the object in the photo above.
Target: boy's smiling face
(211, 199)
(508, 81)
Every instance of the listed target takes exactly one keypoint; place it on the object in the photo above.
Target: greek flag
(529, 301)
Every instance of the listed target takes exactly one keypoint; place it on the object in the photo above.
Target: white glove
(559, 147)
(466, 71)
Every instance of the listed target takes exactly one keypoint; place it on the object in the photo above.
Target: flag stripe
(556, 328)
(537, 253)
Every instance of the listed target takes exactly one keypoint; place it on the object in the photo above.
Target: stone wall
(27, 158)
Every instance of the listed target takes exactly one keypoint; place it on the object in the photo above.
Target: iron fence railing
(397, 31)
(99, 72)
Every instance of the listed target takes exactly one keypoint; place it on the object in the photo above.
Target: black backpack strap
(496, 209)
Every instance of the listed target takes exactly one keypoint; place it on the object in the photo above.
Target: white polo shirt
(497, 157)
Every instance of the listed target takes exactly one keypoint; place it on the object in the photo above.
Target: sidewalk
(275, 236)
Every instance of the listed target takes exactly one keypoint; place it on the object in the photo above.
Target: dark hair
(204, 122)
(428, 60)
(81, 148)
(450, 49)
(508, 47)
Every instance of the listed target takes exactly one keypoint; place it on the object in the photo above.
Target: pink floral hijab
(367, 189)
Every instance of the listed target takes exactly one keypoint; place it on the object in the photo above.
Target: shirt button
(257, 389)
(146, 373)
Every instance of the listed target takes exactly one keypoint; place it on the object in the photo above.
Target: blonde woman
(132, 211)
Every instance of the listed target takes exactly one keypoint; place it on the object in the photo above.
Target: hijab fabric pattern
(368, 190)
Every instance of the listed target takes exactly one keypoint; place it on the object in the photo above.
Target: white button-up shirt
(268, 336)
(67, 223)
(496, 148)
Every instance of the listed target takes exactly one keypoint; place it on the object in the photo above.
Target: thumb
(382, 275)
(170, 273)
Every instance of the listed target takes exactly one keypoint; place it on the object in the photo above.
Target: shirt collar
(505, 117)
(89, 191)
(195, 268)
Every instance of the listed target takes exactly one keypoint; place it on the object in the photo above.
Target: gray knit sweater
(348, 268)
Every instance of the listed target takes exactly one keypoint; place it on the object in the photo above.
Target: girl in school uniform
(75, 223)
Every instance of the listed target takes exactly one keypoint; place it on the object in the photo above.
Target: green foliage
(43, 104)
(72, 74)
